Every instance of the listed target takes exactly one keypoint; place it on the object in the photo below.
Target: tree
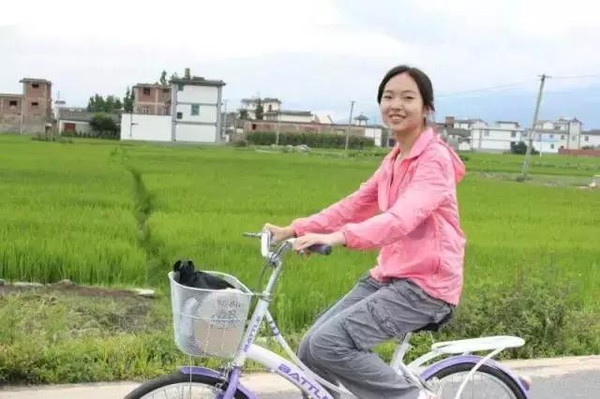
(163, 78)
(259, 112)
(243, 114)
(104, 126)
(128, 101)
(110, 104)
(521, 148)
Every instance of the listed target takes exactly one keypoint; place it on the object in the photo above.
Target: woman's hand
(307, 240)
(279, 233)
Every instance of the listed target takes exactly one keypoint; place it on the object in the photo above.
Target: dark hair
(422, 80)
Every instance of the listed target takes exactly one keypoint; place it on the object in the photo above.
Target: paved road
(578, 385)
(564, 378)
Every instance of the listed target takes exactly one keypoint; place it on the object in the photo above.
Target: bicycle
(216, 327)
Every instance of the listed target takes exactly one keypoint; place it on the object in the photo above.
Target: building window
(146, 91)
(35, 85)
(195, 109)
(12, 103)
(551, 146)
(587, 138)
(513, 134)
(551, 136)
(562, 136)
(179, 115)
(34, 104)
(165, 91)
(486, 133)
(180, 87)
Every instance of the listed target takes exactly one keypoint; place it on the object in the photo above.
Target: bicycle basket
(209, 322)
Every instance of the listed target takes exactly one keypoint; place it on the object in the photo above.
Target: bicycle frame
(299, 375)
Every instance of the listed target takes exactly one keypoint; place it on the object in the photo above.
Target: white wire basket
(209, 322)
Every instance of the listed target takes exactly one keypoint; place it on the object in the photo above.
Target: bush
(239, 142)
(521, 148)
(313, 140)
(540, 311)
(104, 126)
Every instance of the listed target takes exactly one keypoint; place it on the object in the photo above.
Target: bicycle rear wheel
(182, 386)
(486, 383)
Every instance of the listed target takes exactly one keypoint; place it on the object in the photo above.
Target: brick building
(152, 99)
(29, 112)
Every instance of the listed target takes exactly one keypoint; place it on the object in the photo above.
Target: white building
(548, 136)
(268, 104)
(563, 133)
(376, 133)
(195, 114)
(497, 137)
(289, 116)
(590, 138)
(77, 120)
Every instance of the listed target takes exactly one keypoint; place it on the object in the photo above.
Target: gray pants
(338, 346)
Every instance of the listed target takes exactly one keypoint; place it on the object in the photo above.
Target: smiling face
(402, 108)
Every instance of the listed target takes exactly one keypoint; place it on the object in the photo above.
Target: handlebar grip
(320, 249)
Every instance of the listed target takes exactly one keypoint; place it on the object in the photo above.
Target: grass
(119, 214)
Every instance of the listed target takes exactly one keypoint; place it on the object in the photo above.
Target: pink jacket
(417, 227)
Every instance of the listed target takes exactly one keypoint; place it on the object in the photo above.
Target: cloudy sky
(484, 57)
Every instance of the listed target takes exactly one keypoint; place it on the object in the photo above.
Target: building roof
(451, 131)
(153, 85)
(264, 100)
(513, 122)
(468, 120)
(11, 95)
(198, 81)
(361, 117)
(289, 112)
(594, 132)
(82, 116)
(33, 80)
(567, 119)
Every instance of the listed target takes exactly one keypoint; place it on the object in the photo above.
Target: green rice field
(119, 214)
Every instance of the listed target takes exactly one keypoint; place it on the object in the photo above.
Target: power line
(503, 86)
(578, 76)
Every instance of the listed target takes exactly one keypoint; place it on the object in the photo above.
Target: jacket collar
(419, 146)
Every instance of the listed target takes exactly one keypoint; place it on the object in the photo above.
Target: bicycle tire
(502, 379)
(152, 388)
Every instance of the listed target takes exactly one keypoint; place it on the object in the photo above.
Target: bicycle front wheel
(182, 386)
(486, 383)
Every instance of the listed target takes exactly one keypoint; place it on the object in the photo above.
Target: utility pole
(349, 123)
(535, 119)
(278, 127)
(224, 128)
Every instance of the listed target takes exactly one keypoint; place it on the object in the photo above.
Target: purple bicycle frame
(233, 383)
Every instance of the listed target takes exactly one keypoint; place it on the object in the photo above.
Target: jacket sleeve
(432, 184)
(356, 207)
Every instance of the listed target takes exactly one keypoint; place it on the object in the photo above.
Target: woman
(408, 209)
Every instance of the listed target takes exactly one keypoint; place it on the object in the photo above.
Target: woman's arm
(356, 207)
(432, 184)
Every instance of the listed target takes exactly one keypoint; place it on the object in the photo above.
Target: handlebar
(266, 240)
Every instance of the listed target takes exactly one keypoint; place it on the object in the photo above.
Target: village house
(30, 111)
(187, 110)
